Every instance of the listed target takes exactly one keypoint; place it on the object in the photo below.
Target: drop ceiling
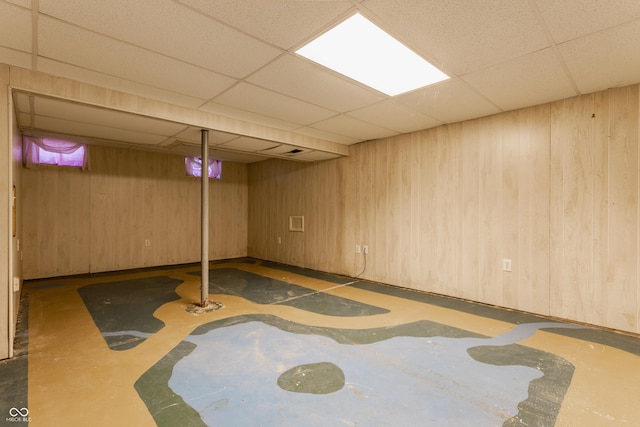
(235, 58)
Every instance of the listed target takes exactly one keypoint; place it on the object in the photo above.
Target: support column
(204, 216)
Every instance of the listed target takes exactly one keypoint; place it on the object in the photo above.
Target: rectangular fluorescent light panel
(362, 51)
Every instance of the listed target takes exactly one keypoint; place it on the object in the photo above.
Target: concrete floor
(294, 347)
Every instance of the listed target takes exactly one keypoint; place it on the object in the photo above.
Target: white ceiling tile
(301, 79)
(247, 116)
(395, 116)
(354, 128)
(107, 118)
(23, 3)
(462, 36)
(169, 28)
(21, 101)
(568, 20)
(115, 83)
(328, 136)
(316, 156)
(283, 23)
(15, 33)
(225, 156)
(272, 104)
(529, 80)
(245, 143)
(284, 149)
(98, 53)
(606, 59)
(166, 50)
(194, 136)
(15, 57)
(93, 131)
(233, 156)
(24, 120)
(450, 101)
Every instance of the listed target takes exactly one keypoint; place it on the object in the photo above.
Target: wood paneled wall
(78, 222)
(5, 217)
(554, 188)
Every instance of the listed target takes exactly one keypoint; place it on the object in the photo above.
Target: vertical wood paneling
(427, 234)
(573, 132)
(601, 218)
(532, 264)
(511, 212)
(447, 210)
(416, 165)
(544, 186)
(5, 217)
(351, 262)
(471, 211)
(491, 188)
(79, 222)
(379, 234)
(622, 287)
(398, 238)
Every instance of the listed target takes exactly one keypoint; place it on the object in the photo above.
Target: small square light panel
(362, 51)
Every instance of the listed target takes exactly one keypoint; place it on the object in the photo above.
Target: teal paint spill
(265, 290)
(389, 379)
(128, 305)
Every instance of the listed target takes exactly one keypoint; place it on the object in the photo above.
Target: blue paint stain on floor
(397, 380)
(266, 290)
(128, 305)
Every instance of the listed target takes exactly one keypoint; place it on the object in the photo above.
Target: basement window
(193, 166)
(45, 151)
(364, 52)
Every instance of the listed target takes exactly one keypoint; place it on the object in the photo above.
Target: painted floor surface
(295, 347)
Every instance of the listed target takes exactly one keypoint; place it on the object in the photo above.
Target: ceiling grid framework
(236, 59)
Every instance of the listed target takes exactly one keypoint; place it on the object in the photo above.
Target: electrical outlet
(506, 264)
(358, 250)
(365, 248)
(279, 240)
(147, 243)
(16, 284)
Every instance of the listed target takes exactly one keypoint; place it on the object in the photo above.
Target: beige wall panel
(531, 269)
(417, 280)
(276, 194)
(79, 222)
(378, 233)
(56, 198)
(5, 189)
(511, 210)
(17, 238)
(490, 212)
(228, 212)
(440, 209)
(296, 198)
(350, 235)
(365, 170)
(447, 208)
(326, 212)
(72, 206)
(256, 244)
(317, 213)
(602, 168)
(470, 281)
(573, 197)
(621, 290)
(398, 207)
(110, 202)
(344, 239)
